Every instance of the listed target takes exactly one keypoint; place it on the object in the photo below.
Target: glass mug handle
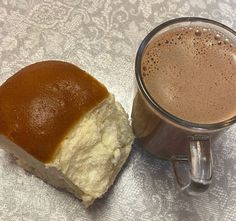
(199, 165)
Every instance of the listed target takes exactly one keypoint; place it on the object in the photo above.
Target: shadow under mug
(169, 137)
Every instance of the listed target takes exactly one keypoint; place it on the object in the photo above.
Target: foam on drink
(191, 73)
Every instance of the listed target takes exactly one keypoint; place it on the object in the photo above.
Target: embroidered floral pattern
(102, 37)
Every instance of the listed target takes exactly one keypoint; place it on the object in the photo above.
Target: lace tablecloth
(102, 37)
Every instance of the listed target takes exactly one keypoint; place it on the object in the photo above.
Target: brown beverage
(186, 76)
(191, 73)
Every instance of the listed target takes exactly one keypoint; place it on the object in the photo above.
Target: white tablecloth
(102, 37)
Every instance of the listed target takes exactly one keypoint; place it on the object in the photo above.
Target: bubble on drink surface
(217, 37)
(226, 41)
(198, 32)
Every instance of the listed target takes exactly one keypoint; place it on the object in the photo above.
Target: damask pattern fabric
(102, 37)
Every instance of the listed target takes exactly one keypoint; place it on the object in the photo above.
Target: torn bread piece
(71, 131)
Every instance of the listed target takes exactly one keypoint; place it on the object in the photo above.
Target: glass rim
(146, 94)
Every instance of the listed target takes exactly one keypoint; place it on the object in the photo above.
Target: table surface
(102, 37)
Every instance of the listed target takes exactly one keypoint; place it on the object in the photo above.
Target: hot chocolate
(191, 73)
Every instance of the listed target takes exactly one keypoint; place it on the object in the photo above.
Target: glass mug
(169, 137)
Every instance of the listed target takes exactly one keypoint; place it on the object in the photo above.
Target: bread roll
(69, 130)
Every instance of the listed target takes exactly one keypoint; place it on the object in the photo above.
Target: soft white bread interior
(94, 151)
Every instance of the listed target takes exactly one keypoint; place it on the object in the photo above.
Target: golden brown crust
(41, 102)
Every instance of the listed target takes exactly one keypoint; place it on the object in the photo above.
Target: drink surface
(191, 73)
